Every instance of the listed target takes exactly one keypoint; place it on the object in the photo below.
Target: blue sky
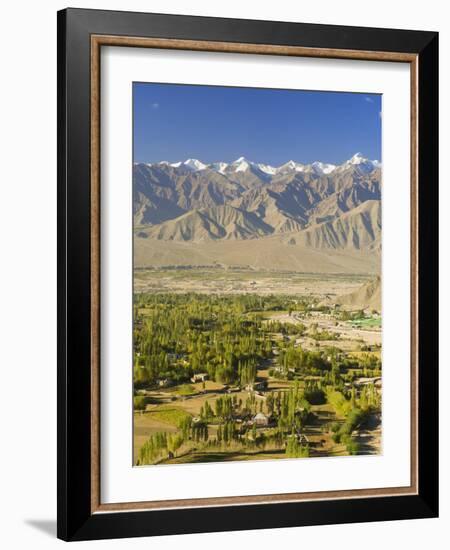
(174, 122)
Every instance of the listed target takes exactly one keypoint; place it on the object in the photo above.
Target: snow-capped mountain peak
(267, 169)
(357, 162)
(322, 167)
(289, 166)
(218, 167)
(357, 158)
(241, 164)
(194, 164)
(362, 164)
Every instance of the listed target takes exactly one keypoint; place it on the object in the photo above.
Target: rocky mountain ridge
(319, 205)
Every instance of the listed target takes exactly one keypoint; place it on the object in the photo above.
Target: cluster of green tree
(199, 432)
(369, 398)
(322, 335)
(158, 445)
(356, 409)
(161, 444)
(333, 367)
(367, 361)
(272, 302)
(242, 437)
(229, 407)
(338, 401)
(365, 365)
(295, 450)
(314, 393)
(247, 371)
(342, 433)
(301, 361)
(349, 366)
(278, 327)
(206, 412)
(185, 426)
(290, 409)
(354, 419)
(225, 407)
(227, 432)
(140, 402)
(178, 335)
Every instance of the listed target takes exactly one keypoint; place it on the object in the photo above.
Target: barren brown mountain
(315, 217)
(367, 296)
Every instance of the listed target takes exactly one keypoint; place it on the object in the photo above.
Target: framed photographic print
(247, 274)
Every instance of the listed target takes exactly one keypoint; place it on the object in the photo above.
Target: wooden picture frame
(81, 35)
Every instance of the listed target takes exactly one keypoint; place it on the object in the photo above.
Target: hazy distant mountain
(318, 205)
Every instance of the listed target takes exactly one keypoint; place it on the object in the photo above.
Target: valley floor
(265, 253)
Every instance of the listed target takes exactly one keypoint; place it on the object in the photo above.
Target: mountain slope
(356, 229)
(367, 296)
(219, 222)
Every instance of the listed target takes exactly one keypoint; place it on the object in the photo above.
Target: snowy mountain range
(242, 165)
(317, 206)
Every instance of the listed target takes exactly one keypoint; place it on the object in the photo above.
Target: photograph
(247, 288)
(257, 274)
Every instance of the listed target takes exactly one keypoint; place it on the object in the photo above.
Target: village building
(257, 386)
(282, 370)
(366, 381)
(261, 419)
(199, 377)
